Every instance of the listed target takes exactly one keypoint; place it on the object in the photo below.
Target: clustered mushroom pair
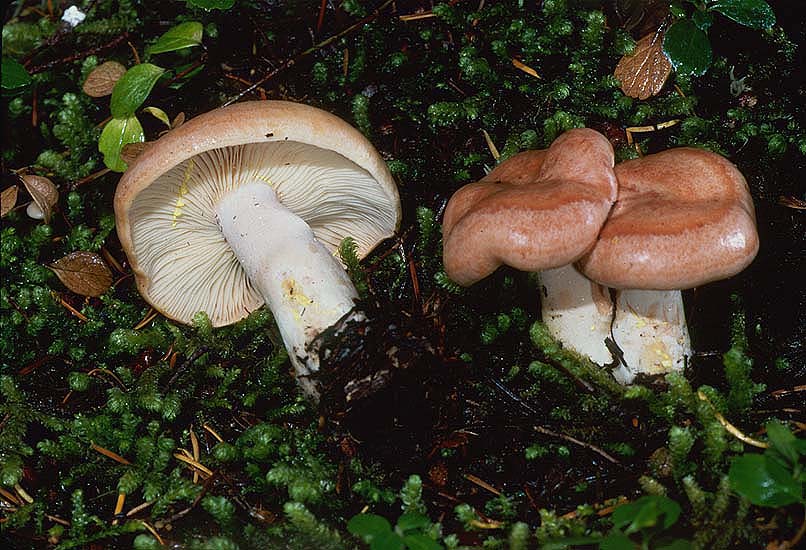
(647, 228)
(247, 205)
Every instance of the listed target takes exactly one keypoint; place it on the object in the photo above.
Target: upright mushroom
(247, 204)
(684, 217)
(541, 211)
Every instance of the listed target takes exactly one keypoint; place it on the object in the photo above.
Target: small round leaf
(84, 273)
(756, 14)
(101, 81)
(8, 199)
(184, 35)
(133, 88)
(687, 47)
(14, 75)
(43, 192)
(117, 133)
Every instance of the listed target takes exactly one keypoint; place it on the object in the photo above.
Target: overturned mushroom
(247, 204)
(683, 218)
(541, 211)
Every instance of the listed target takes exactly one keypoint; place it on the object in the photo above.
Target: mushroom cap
(683, 218)
(534, 211)
(321, 168)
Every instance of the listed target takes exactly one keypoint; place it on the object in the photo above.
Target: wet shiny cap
(684, 217)
(537, 210)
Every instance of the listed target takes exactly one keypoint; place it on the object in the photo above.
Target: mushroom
(541, 211)
(247, 205)
(684, 217)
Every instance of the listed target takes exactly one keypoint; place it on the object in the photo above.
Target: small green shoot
(409, 532)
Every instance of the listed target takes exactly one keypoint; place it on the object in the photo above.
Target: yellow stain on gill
(266, 180)
(183, 190)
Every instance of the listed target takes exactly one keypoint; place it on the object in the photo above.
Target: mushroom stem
(303, 284)
(577, 311)
(650, 328)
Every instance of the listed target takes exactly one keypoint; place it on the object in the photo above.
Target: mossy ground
(515, 440)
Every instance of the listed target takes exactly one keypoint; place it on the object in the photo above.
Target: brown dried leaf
(643, 73)
(101, 81)
(84, 273)
(640, 17)
(43, 192)
(8, 200)
(131, 151)
(178, 121)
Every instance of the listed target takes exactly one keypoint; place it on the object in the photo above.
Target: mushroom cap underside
(684, 217)
(320, 167)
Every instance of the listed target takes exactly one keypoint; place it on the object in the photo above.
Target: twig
(80, 55)
(525, 68)
(198, 353)
(68, 307)
(92, 177)
(106, 452)
(213, 433)
(248, 83)
(417, 16)
(118, 507)
(139, 507)
(545, 431)
(483, 484)
(193, 464)
(490, 145)
(730, 428)
(321, 18)
(150, 316)
(293, 60)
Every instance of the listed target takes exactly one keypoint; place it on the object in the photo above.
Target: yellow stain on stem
(183, 190)
(295, 295)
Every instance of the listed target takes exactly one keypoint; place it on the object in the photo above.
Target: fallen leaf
(101, 81)
(8, 199)
(643, 73)
(84, 273)
(131, 151)
(159, 114)
(640, 17)
(178, 121)
(43, 192)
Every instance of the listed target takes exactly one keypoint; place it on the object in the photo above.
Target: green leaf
(562, 544)
(212, 4)
(117, 133)
(419, 541)
(676, 544)
(703, 19)
(133, 88)
(763, 481)
(14, 75)
(687, 47)
(616, 541)
(388, 540)
(756, 14)
(184, 35)
(159, 114)
(783, 441)
(412, 520)
(368, 526)
(646, 512)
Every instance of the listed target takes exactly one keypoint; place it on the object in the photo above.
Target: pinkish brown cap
(321, 168)
(683, 218)
(536, 210)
